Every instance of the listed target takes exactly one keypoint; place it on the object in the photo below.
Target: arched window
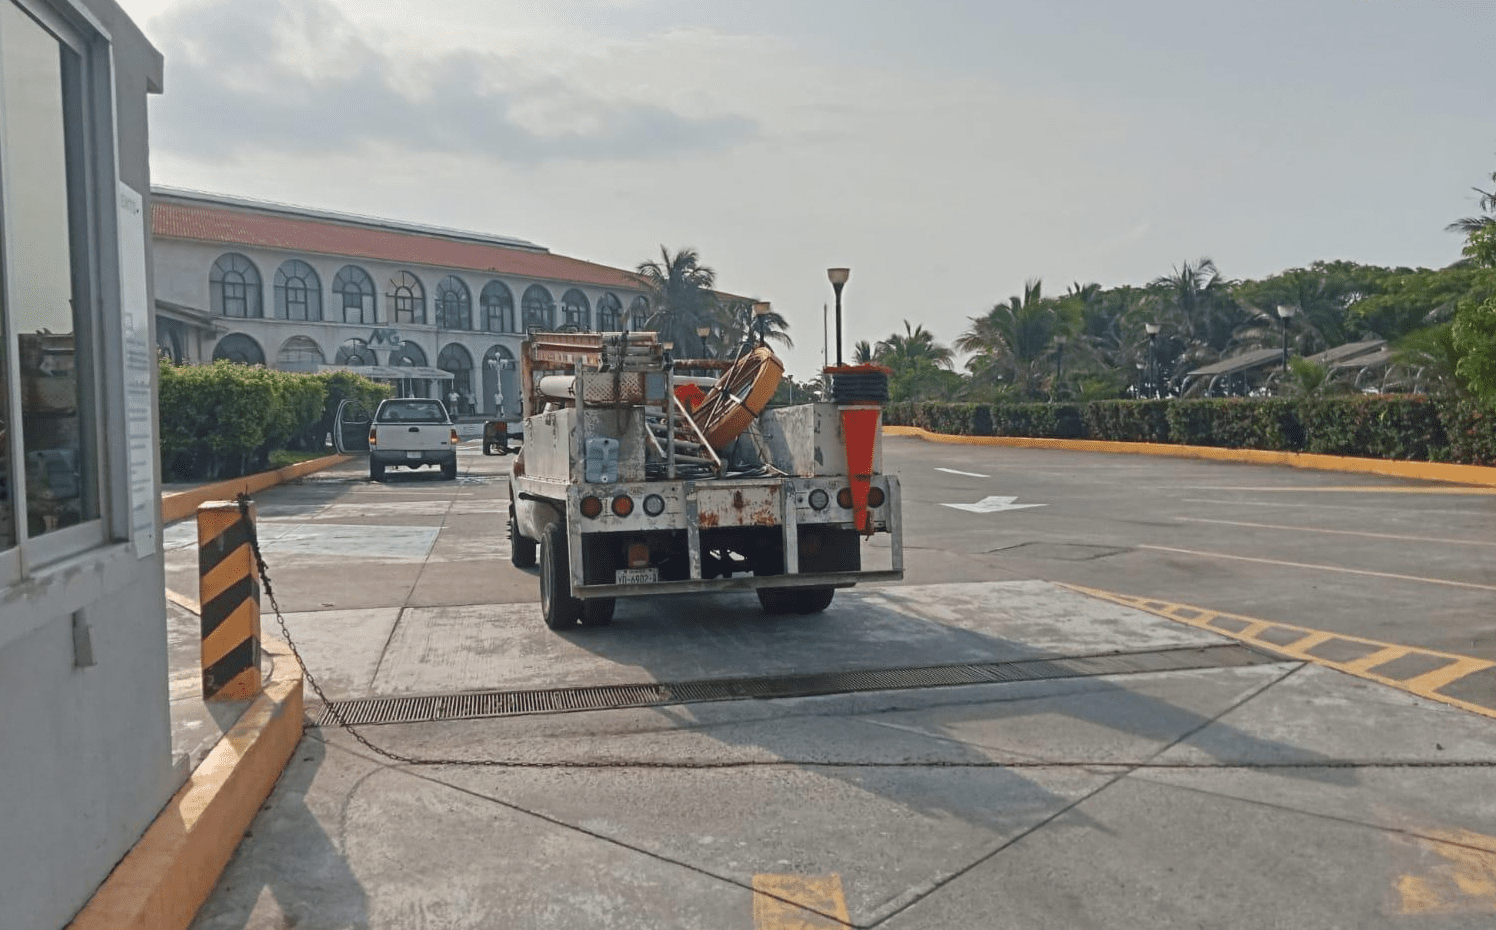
(353, 296)
(407, 299)
(576, 310)
(240, 349)
(234, 287)
(409, 354)
(354, 352)
(299, 353)
(459, 362)
(609, 313)
(298, 292)
(539, 309)
(498, 307)
(454, 304)
(639, 314)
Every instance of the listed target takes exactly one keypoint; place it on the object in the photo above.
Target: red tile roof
(233, 225)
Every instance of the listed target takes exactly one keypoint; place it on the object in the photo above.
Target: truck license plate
(412, 455)
(636, 575)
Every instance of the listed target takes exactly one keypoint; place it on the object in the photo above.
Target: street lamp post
(1285, 313)
(838, 278)
(703, 332)
(1152, 330)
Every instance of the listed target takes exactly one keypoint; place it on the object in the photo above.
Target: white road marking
(993, 505)
(1325, 568)
(1315, 529)
(969, 474)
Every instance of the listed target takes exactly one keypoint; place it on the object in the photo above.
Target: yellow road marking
(1427, 685)
(1324, 568)
(799, 902)
(1455, 874)
(1339, 489)
(1315, 529)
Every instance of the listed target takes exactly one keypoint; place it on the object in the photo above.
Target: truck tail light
(844, 498)
(373, 438)
(875, 497)
(592, 507)
(454, 435)
(654, 505)
(819, 499)
(623, 505)
(638, 555)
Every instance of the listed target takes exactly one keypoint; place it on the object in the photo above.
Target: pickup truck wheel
(557, 606)
(795, 600)
(449, 469)
(521, 550)
(376, 471)
(488, 448)
(598, 611)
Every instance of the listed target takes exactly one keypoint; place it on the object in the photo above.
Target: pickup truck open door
(350, 428)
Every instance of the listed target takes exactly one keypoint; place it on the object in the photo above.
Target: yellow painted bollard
(229, 592)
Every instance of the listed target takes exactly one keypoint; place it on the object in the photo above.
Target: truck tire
(487, 448)
(795, 600)
(598, 611)
(521, 549)
(557, 606)
(376, 471)
(449, 469)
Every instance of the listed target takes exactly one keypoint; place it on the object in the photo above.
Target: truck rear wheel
(521, 549)
(449, 469)
(376, 471)
(557, 606)
(795, 600)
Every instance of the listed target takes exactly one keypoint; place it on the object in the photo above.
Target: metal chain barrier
(332, 708)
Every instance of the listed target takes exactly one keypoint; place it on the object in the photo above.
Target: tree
(919, 364)
(1474, 339)
(1472, 224)
(1015, 340)
(734, 327)
(680, 294)
(862, 352)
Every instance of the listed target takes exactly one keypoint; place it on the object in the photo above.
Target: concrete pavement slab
(697, 636)
(341, 649)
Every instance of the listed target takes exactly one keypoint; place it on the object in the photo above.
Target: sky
(943, 150)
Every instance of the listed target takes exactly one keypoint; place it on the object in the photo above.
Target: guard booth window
(48, 454)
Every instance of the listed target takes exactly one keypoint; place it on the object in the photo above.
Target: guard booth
(85, 735)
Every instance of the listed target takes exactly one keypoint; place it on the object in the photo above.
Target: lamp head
(838, 276)
(761, 308)
(1286, 311)
(1152, 328)
(703, 331)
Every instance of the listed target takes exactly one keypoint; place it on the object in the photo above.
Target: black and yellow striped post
(229, 592)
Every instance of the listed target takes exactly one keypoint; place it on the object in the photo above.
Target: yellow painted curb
(184, 504)
(1418, 471)
(166, 877)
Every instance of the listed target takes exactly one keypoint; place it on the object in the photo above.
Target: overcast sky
(944, 150)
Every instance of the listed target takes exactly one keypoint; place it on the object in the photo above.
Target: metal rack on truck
(640, 478)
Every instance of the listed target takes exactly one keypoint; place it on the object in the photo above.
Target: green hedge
(223, 420)
(1396, 426)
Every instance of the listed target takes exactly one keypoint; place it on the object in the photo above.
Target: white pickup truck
(409, 432)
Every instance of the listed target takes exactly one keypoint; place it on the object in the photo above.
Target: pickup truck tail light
(454, 435)
(373, 438)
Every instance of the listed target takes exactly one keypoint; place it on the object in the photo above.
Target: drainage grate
(478, 704)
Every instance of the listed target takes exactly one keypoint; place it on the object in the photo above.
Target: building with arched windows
(436, 310)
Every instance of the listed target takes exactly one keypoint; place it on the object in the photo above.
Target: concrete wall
(85, 751)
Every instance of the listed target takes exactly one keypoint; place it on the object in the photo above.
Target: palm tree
(862, 352)
(1473, 224)
(680, 292)
(734, 326)
(917, 361)
(1016, 339)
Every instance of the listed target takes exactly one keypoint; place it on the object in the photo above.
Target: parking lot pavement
(1081, 763)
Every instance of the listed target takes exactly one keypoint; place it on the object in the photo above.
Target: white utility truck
(626, 488)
